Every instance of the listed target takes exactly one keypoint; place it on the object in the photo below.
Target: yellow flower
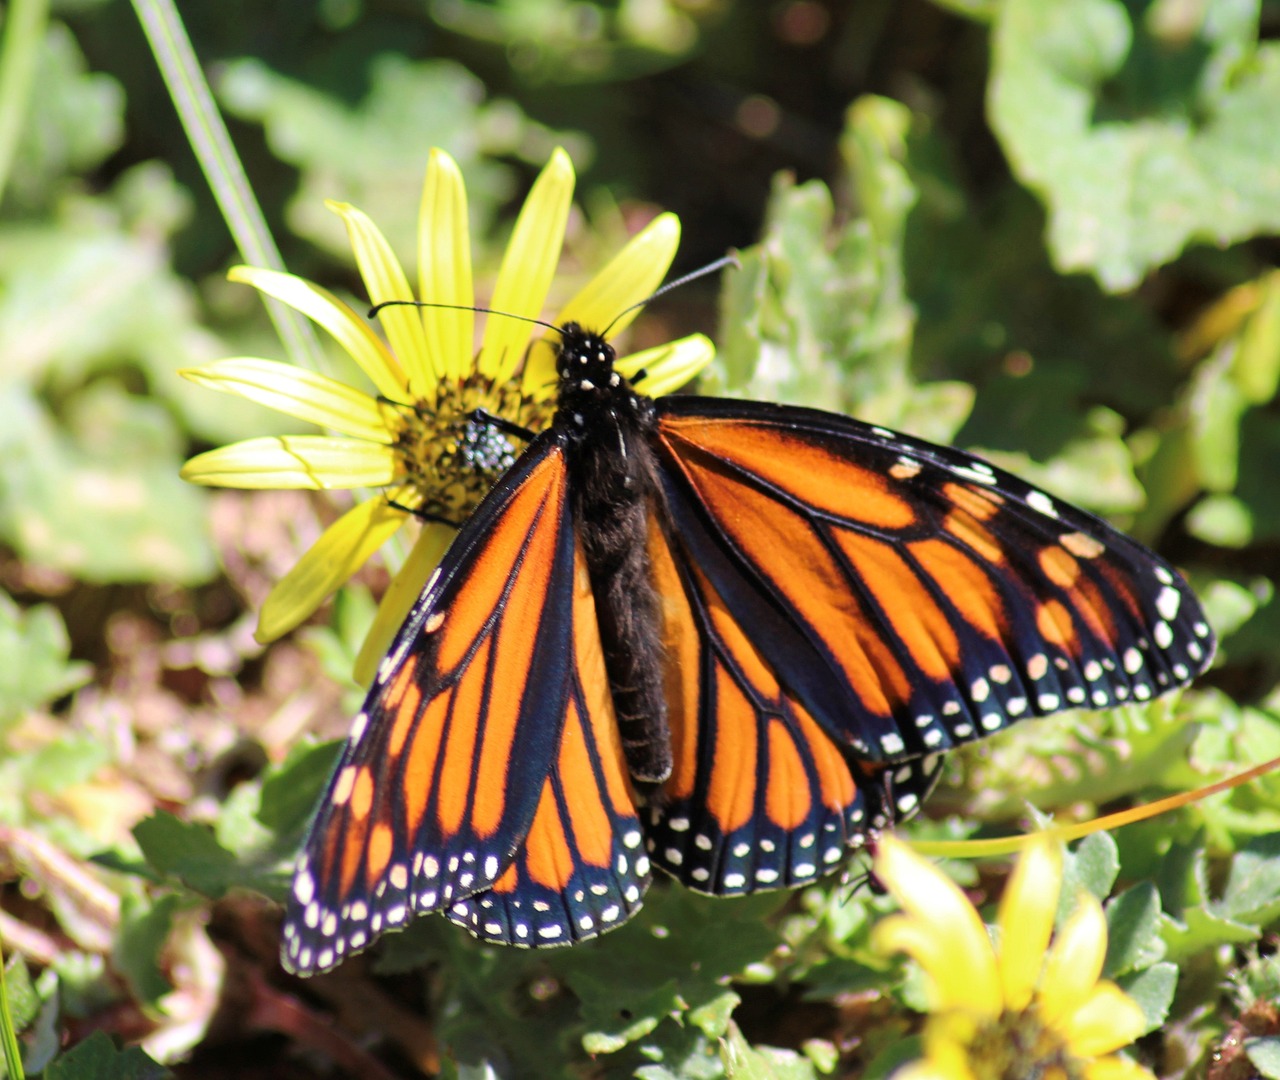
(1027, 1007)
(415, 438)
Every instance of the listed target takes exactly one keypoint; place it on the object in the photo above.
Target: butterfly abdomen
(614, 481)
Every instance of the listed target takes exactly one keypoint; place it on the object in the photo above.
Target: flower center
(1020, 1046)
(451, 458)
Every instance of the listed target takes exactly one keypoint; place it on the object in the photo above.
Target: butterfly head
(585, 361)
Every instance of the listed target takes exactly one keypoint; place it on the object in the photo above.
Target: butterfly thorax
(606, 426)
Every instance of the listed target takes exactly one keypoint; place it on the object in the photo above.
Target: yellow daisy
(415, 439)
(1026, 1007)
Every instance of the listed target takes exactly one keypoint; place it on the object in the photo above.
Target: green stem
(23, 38)
(221, 165)
(8, 1037)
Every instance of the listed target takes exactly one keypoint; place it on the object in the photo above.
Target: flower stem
(222, 167)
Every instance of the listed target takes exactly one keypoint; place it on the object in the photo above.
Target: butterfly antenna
(703, 271)
(463, 307)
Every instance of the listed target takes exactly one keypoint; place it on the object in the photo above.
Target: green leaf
(359, 154)
(75, 121)
(1264, 1053)
(98, 494)
(36, 670)
(144, 929)
(43, 1040)
(668, 963)
(1220, 406)
(291, 790)
(1201, 929)
(1153, 990)
(1252, 891)
(712, 1019)
(1094, 866)
(680, 1054)
(1139, 141)
(616, 1017)
(1256, 369)
(189, 852)
(565, 41)
(24, 1002)
(1229, 605)
(742, 1061)
(819, 313)
(1223, 520)
(1133, 930)
(97, 1058)
(1093, 466)
(1180, 875)
(71, 760)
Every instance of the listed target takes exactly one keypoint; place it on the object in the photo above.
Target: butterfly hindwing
(446, 765)
(915, 597)
(582, 868)
(760, 796)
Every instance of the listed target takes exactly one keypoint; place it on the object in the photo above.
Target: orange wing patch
(760, 796)
(682, 673)
(800, 467)
(427, 801)
(912, 597)
(581, 868)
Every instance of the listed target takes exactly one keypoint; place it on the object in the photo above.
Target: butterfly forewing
(445, 768)
(915, 597)
(582, 868)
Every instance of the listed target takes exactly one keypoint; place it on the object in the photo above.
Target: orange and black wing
(760, 795)
(913, 597)
(484, 703)
(582, 868)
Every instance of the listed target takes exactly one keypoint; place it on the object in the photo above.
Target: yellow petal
(350, 330)
(1116, 1068)
(631, 277)
(1107, 1020)
(316, 462)
(668, 367)
(933, 1070)
(1027, 910)
(900, 934)
(952, 943)
(947, 1047)
(385, 280)
(317, 399)
(444, 268)
(401, 594)
(1074, 962)
(527, 268)
(342, 549)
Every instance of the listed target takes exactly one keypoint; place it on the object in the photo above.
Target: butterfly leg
(483, 416)
(424, 515)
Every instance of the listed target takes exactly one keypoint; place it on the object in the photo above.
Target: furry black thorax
(606, 426)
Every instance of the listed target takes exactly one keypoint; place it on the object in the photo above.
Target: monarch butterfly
(724, 638)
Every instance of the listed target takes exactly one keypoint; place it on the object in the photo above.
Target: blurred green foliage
(1036, 229)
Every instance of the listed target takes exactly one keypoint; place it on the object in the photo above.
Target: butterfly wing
(913, 596)
(581, 869)
(483, 701)
(760, 796)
